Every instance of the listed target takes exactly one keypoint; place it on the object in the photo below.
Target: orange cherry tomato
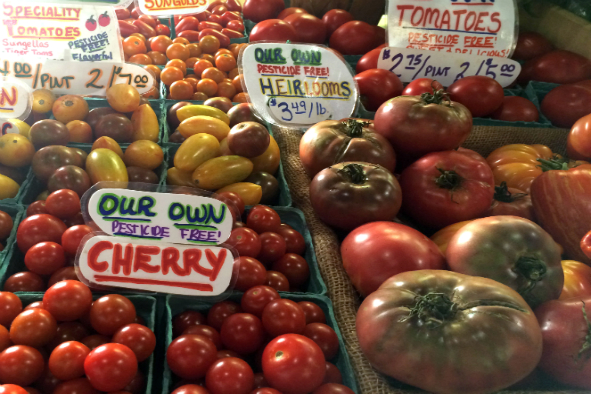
(140, 36)
(200, 96)
(181, 90)
(180, 40)
(160, 43)
(225, 62)
(207, 86)
(193, 82)
(237, 48)
(133, 45)
(140, 58)
(226, 89)
(213, 73)
(154, 70)
(209, 44)
(194, 49)
(178, 51)
(240, 98)
(233, 73)
(237, 82)
(190, 62)
(158, 58)
(200, 66)
(223, 50)
(170, 75)
(178, 64)
(208, 57)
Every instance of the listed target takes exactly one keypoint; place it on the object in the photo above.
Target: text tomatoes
(433, 330)
(481, 95)
(376, 251)
(376, 86)
(447, 187)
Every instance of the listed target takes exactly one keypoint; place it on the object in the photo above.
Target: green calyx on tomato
(533, 270)
(355, 173)
(450, 180)
(556, 163)
(503, 194)
(437, 97)
(354, 128)
(587, 345)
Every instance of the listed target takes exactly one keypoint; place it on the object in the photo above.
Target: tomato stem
(587, 343)
(533, 270)
(437, 97)
(354, 172)
(433, 309)
(449, 179)
(354, 128)
(503, 194)
(556, 163)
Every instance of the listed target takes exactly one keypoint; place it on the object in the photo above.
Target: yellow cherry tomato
(176, 177)
(269, 160)
(250, 193)
(144, 154)
(105, 165)
(222, 171)
(195, 110)
(204, 124)
(196, 150)
(8, 187)
(43, 100)
(16, 150)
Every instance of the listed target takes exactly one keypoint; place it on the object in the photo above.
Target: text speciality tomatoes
(419, 321)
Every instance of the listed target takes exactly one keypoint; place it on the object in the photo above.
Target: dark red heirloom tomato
(330, 142)
(374, 252)
(273, 30)
(309, 29)
(511, 250)
(444, 188)
(350, 194)
(369, 60)
(417, 125)
(335, 18)
(377, 86)
(510, 201)
(291, 10)
(420, 86)
(354, 38)
(516, 109)
(566, 331)
(556, 67)
(531, 45)
(481, 95)
(566, 104)
(260, 10)
(447, 323)
(578, 143)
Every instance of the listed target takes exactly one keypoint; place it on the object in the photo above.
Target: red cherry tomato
(245, 241)
(273, 30)
(67, 360)
(272, 247)
(283, 317)
(481, 95)
(313, 312)
(36, 208)
(260, 10)
(162, 30)
(184, 320)
(262, 219)
(139, 338)
(24, 281)
(34, 327)
(191, 389)
(20, 365)
(66, 332)
(10, 307)
(250, 273)
(12, 389)
(256, 298)
(333, 388)
(295, 268)
(293, 363)
(45, 258)
(325, 337)
(111, 312)
(220, 312)
(39, 228)
(242, 333)
(377, 86)
(75, 386)
(66, 273)
(277, 280)
(63, 203)
(110, 367)
(209, 332)
(189, 356)
(333, 375)
(566, 104)
(420, 86)
(94, 341)
(531, 45)
(334, 19)
(67, 300)
(229, 376)
(72, 237)
(231, 198)
(294, 241)
(266, 390)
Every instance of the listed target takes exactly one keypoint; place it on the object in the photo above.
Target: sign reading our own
(446, 68)
(172, 7)
(57, 31)
(16, 100)
(298, 84)
(155, 266)
(63, 77)
(474, 27)
(168, 217)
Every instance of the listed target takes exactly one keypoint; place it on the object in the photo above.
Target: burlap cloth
(344, 297)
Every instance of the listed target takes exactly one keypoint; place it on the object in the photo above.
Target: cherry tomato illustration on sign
(91, 24)
(104, 19)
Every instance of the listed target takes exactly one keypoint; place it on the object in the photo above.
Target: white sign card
(56, 31)
(155, 266)
(165, 217)
(16, 100)
(298, 84)
(473, 27)
(67, 77)
(446, 68)
(172, 7)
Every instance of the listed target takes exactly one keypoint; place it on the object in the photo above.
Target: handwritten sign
(411, 64)
(298, 84)
(160, 216)
(64, 77)
(172, 7)
(16, 100)
(55, 31)
(163, 267)
(474, 27)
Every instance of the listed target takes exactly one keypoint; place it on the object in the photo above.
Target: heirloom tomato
(369, 60)
(511, 250)
(566, 104)
(273, 30)
(376, 251)
(516, 109)
(577, 280)
(566, 332)
(447, 323)
(447, 187)
(509, 201)
(578, 143)
(260, 10)
(309, 29)
(376, 86)
(417, 125)
(330, 142)
(443, 236)
(562, 203)
(481, 95)
(354, 38)
(335, 18)
(350, 194)
(556, 67)
(531, 45)
(48, 159)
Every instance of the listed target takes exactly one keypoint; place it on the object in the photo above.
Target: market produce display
(468, 260)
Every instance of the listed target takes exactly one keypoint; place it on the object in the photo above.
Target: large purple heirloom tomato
(449, 333)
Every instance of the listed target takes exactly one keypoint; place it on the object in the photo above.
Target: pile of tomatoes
(66, 343)
(133, 22)
(287, 343)
(6, 224)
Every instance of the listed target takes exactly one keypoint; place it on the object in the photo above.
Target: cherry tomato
(242, 333)
(246, 242)
(24, 281)
(333, 375)
(67, 360)
(273, 30)
(33, 305)
(566, 104)
(265, 390)
(189, 356)
(36, 208)
(5, 225)
(184, 320)
(325, 337)
(139, 338)
(12, 389)
(67, 332)
(34, 327)
(272, 247)
(94, 341)
(294, 241)
(333, 388)
(293, 364)
(110, 367)
(220, 312)
(72, 237)
(66, 273)
(313, 312)
(227, 353)
(10, 307)
(229, 376)
(277, 280)
(283, 317)
(45, 258)
(250, 273)
(209, 332)
(39, 228)
(75, 386)
(137, 384)
(334, 19)
(231, 198)
(481, 95)
(111, 312)
(4, 338)
(256, 298)
(67, 300)
(369, 60)
(420, 86)
(294, 267)
(190, 389)
(263, 219)
(162, 30)
(21, 365)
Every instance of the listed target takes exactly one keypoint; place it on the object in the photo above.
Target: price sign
(63, 77)
(16, 101)
(298, 84)
(411, 64)
(473, 27)
(170, 7)
(55, 31)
